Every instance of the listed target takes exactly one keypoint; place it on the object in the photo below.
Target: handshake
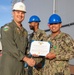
(31, 62)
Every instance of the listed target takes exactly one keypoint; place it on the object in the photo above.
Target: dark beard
(31, 27)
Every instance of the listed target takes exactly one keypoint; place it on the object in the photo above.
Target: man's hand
(50, 55)
(29, 61)
(35, 55)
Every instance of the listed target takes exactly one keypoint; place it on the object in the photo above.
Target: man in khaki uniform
(14, 42)
(62, 49)
(37, 35)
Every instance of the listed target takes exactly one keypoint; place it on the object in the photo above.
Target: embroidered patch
(54, 47)
(6, 28)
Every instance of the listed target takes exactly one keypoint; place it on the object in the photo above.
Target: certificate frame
(40, 48)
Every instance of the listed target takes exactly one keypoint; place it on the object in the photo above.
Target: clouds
(5, 13)
(5, 8)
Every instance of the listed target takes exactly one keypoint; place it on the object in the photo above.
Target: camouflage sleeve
(8, 43)
(42, 36)
(66, 49)
(39, 36)
(45, 36)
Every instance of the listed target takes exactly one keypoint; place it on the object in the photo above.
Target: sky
(5, 12)
(43, 9)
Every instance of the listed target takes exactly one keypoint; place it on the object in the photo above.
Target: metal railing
(66, 25)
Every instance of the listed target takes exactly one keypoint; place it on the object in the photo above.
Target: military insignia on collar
(18, 30)
(6, 28)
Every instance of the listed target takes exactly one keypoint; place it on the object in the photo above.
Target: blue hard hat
(54, 18)
(34, 18)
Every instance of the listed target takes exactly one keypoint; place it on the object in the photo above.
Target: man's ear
(12, 12)
(60, 25)
(49, 25)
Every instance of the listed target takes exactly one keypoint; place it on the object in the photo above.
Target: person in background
(36, 35)
(0, 48)
(14, 40)
(62, 48)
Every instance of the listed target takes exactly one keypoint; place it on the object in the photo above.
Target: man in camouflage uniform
(14, 43)
(62, 49)
(37, 35)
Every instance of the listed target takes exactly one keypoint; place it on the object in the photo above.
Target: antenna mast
(54, 6)
(14, 1)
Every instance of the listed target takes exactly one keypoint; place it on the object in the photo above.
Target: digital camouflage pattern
(39, 35)
(63, 46)
(14, 42)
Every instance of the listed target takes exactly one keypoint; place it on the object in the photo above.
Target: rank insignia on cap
(6, 28)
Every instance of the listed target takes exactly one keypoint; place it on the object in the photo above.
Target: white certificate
(40, 48)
